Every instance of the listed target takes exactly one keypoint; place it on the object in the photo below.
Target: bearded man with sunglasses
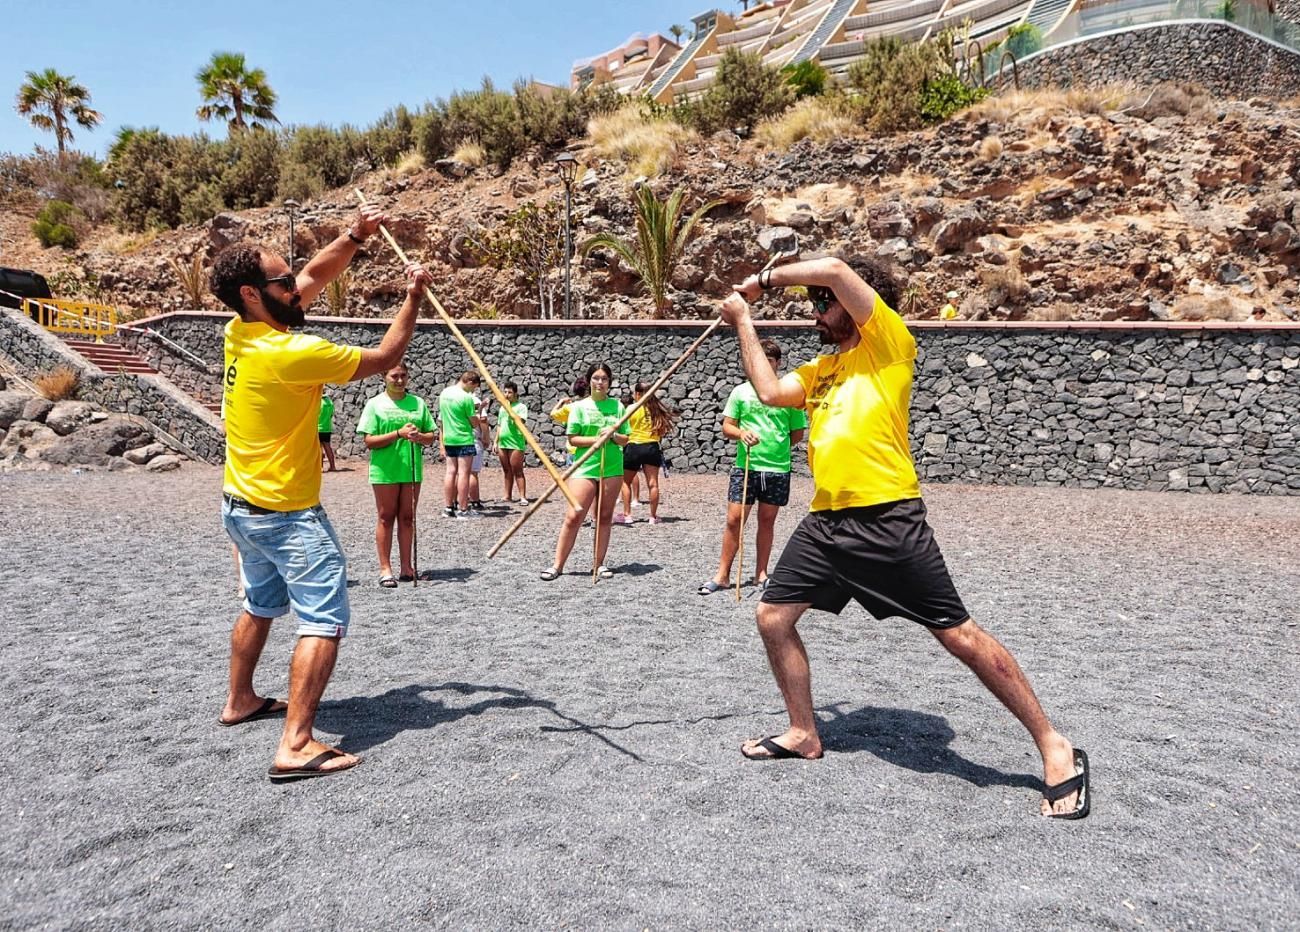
(866, 536)
(290, 555)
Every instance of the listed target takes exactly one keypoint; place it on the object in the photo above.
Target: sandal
(710, 587)
(388, 581)
(548, 575)
(604, 572)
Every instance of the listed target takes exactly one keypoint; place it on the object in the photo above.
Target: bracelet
(765, 283)
(356, 239)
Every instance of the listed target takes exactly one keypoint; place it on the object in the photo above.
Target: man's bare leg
(1000, 673)
(789, 662)
(309, 673)
(246, 642)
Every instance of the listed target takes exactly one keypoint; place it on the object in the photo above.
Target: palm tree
(677, 31)
(48, 99)
(235, 94)
(661, 237)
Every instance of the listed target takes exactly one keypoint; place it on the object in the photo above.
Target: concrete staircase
(112, 358)
(831, 22)
(1047, 14)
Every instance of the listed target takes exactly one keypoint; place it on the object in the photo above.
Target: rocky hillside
(1042, 207)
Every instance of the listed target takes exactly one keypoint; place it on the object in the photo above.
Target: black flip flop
(266, 710)
(1080, 783)
(310, 769)
(774, 751)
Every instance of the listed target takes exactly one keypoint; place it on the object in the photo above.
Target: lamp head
(567, 166)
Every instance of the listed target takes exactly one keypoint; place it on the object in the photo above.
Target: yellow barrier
(80, 318)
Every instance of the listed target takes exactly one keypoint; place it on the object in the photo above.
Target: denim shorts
(291, 559)
(459, 451)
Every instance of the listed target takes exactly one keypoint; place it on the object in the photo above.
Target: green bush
(488, 116)
(251, 176)
(745, 92)
(386, 140)
(807, 79)
(54, 225)
(945, 94)
(201, 204)
(430, 132)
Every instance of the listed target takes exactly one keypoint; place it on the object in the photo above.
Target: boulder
(225, 229)
(36, 408)
(96, 444)
(164, 463)
(27, 439)
(141, 455)
(67, 416)
(778, 239)
(961, 227)
(452, 168)
(11, 408)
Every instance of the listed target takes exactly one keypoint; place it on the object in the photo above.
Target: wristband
(356, 239)
(765, 283)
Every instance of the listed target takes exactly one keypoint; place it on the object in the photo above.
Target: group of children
(396, 424)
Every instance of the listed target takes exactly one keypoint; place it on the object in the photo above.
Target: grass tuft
(58, 385)
(815, 118)
(649, 145)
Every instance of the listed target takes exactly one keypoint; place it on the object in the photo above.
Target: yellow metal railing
(79, 318)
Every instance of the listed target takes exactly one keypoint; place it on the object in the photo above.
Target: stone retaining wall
(1222, 58)
(176, 417)
(1126, 405)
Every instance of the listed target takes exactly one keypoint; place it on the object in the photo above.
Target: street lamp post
(291, 205)
(567, 166)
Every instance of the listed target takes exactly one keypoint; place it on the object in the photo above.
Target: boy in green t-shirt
(325, 428)
(765, 435)
(457, 410)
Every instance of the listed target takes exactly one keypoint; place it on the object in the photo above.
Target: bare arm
(786, 392)
(388, 353)
(732, 430)
(857, 297)
(327, 264)
(796, 436)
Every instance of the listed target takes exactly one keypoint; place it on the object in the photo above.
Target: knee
(774, 619)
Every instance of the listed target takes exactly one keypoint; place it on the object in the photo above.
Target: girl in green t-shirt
(510, 445)
(602, 473)
(396, 425)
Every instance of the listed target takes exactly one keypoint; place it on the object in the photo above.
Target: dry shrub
(1036, 107)
(910, 182)
(192, 280)
(1005, 285)
(1035, 186)
(336, 292)
(58, 385)
(1052, 312)
(816, 118)
(1169, 99)
(470, 153)
(649, 145)
(410, 162)
(1208, 307)
(989, 149)
(127, 244)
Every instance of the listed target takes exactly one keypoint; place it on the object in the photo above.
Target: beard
(288, 313)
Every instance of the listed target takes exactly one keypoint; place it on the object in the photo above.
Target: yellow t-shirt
(857, 404)
(273, 383)
(642, 429)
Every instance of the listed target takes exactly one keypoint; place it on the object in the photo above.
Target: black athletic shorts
(769, 488)
(885, 556)
(637, 455)
(324, 437)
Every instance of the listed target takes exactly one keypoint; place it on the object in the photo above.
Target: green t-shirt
(455, 409)
(382, 415)
(509, 436)
(325, 422)
(773, 426)
(589, 417)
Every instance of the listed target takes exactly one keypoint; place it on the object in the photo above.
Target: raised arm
(857, 297)
(786, 392)
(330, 262)
(392, 347)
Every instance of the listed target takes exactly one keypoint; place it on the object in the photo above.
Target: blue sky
(335, 61)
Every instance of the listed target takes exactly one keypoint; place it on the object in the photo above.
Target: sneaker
(655, 519)
(522, 501)
(623, 519)
(636, 504)
(476, 505)
(449, 512)
(467, 515)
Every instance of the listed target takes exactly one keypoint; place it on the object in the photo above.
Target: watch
(356, 239)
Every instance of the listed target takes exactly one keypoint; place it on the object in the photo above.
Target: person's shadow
(639, 569)
(369, 721)
(917, 741)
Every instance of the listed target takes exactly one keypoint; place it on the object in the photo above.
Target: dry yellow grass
(649, 146)
(989, 149)
(1209, 307)
(410, 162)
(470, 153)
(58, 385)
(910, 182)
(127, 244)
(811, 118)
(1035, 107)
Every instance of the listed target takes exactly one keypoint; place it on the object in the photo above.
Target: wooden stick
(415, 524)
(482, 370)
(604, 436)
(600, 505)
(744, 505)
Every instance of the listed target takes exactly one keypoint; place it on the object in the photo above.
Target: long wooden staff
(600, 506)
(482, 368)
(610, 431)
(744, 500)
(415, 524)
(604, 435)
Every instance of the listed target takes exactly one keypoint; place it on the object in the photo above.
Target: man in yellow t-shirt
(290, 556)
(866, 537)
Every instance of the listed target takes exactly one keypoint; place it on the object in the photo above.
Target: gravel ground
(558, 755)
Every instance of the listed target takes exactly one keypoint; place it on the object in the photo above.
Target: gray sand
(553, 755)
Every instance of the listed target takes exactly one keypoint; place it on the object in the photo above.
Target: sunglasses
(287, 282)
(821, 298)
